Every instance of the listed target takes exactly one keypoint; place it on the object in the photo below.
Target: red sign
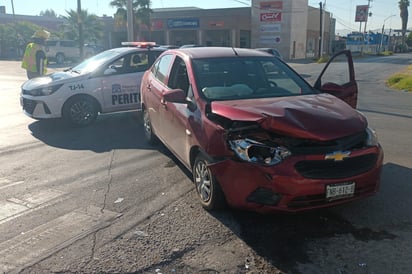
(362, 13)
(275, 5)
(157, 24)
(216, 23)
(271, 17)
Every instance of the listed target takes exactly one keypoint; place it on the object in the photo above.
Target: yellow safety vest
(29, 58)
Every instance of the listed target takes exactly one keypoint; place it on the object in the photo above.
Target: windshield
(96, 61)
(247, 78)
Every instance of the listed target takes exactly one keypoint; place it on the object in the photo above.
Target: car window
(68, 43)
(245, 78)
(338, 72)
(138, 62)
(178, 77)
(51, 43)
(162, 66)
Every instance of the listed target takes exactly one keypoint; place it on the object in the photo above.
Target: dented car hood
(319, 117)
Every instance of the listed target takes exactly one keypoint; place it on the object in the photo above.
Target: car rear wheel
(148, 130)
(80, 111)
(207, 187)
(60, 58)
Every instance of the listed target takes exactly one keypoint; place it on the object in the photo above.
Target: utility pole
(130, 30)
(80, 23)
(320, 30)
(367, 15)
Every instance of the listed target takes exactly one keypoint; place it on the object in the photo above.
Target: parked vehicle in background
(60, 51)
(105, 83)
(256, 135)
(272, 51)
(191, 46)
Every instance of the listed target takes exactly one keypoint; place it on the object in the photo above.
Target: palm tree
(92, 27)
(403, 6)
(48, 13)
(141, 11)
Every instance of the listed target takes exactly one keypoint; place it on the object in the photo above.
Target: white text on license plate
(338, 191)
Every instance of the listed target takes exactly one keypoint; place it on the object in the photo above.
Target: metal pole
(12, 8)
(323, 27)
(130, 32)
(320, 30)
(80, 22)
(383, 29)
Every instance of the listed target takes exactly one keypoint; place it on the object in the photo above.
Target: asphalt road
(99, 199)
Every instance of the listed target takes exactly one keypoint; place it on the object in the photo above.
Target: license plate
(339, 191)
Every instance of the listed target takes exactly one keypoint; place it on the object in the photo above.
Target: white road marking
(4, 183)
(50, 237)
(17, 206)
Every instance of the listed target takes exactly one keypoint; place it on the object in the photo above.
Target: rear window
(68, 43)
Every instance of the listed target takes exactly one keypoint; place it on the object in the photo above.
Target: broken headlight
(372, 137)
(255, 152)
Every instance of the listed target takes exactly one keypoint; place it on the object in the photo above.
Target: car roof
(212, 52)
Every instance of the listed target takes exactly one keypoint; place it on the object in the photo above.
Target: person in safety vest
(34, 58)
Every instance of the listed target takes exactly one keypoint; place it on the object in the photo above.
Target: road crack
(109, 183)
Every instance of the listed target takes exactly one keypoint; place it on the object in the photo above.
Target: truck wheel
(60, 58)
(80, 111)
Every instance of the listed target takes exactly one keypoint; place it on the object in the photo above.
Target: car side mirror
(175, 96)
(109, 71)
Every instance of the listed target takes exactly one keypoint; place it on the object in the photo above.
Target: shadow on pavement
(114, 131)
(283, 239)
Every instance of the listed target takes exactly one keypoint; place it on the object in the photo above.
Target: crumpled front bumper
(283, 188)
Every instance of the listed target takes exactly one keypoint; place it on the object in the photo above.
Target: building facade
(290, 26)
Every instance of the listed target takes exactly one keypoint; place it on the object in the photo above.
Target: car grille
(29, 105)
(328, 169)
(308, 147)
(320, 199)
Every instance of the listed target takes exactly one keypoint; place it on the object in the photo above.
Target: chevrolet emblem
(337, 155)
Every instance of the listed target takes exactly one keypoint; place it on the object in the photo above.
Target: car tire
(80, 111)
(60, 58)
(148, 130)
(208, 188)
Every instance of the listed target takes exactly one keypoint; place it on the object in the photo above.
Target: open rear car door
(338, 78)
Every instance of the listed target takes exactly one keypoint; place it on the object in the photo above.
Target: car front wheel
(148, 130)
(207, 187)
(80, 111)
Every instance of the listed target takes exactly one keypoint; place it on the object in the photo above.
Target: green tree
(14, 37)
(92, 27)
(403, 6)
(141, 12)
(48, 13)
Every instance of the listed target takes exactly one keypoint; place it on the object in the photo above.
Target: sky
(383, 11)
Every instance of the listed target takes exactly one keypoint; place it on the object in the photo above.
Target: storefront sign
(216, 23)
(269, 40)
(362, 13)
(184, 23)
(270, 28)
(157, 24)
(271, 17)
(275, 5)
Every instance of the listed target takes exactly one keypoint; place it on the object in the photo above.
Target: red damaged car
(256, 135)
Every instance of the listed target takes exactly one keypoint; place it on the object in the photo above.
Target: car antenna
(234, 50)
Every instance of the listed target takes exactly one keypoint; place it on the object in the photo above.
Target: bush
(323, 59)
